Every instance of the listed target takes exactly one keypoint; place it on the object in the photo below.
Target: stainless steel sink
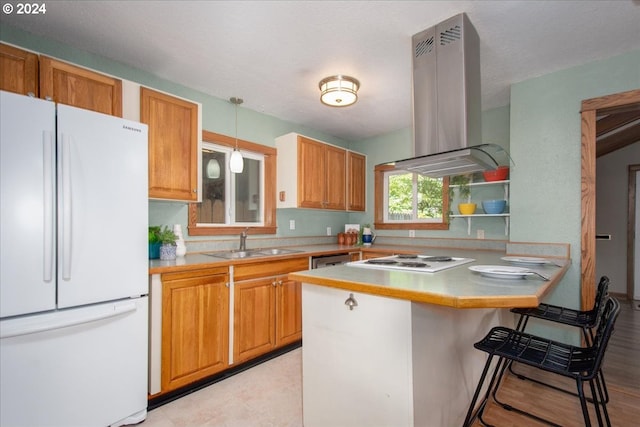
(250, 253)
(236, 254)
(278, 251)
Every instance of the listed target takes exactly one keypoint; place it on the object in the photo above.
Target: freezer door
(102, 207)
(78, 367)
(27, 198)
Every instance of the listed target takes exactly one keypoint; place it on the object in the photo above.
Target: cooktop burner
(381, 261)
(438, 258)
(411, 262)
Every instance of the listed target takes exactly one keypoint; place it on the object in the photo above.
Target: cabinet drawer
(204, 272)
(270, 268)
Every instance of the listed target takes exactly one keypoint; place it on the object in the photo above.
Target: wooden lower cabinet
(195, 326)
(267, 307)
(288, 311)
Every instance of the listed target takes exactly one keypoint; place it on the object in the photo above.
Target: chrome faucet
(243, 239)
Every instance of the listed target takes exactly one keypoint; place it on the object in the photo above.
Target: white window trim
(230, 189)
(414, 207)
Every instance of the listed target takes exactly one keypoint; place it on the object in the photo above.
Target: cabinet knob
(351, 302)
(195, 190)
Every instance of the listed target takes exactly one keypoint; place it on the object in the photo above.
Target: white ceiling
(273, 53)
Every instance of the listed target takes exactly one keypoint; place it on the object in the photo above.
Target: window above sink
(231, 202)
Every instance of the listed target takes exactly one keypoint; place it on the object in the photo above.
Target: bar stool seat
(586, 320)
(582, 364)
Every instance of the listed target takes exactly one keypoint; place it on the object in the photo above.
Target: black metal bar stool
(585, 320)
(582, 364)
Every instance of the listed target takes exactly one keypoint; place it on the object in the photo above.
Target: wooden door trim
(634, 170)
(588, 186)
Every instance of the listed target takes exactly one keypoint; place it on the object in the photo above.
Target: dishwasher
(322, 261)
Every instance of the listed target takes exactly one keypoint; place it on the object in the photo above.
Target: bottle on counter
(181, 247)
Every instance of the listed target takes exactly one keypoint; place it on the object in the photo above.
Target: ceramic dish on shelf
(524, 260)
(501, 271)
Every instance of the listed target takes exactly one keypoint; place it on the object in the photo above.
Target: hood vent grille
(451, 35)
(423, 47)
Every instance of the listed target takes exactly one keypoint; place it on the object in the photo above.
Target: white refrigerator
(73, 266)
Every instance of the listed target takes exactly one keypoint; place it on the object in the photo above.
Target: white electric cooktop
(415, 263)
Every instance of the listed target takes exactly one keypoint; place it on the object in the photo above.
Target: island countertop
(456, 287)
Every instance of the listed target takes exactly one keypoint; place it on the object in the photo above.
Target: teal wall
(545, 144)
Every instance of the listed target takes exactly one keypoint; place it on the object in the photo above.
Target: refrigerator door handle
(66, 207)
(49, 203)
(10, 329)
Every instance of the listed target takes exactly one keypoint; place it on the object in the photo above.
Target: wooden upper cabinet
(336, 179)
(356, 187)
(311, 174)
(312, 169)
(173, 145)
(321, 175)
(18, 70)
(72, 85)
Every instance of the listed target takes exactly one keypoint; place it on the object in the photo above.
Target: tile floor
(268, 395)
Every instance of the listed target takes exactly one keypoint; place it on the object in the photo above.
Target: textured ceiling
(273, 53)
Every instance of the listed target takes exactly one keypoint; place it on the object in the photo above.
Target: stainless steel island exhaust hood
(446, 102)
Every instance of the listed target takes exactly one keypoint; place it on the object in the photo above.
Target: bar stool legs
(582, 364)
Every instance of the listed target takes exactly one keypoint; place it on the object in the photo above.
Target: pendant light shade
(236, 162)
(339, 91)
(213, 169)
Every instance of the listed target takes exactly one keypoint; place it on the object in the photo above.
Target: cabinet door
(173, 145)
(312, 172)
(288, 311)
(18, 70)
(356, 190)
(195, 329)
(72, 85)
(336, 178)
(254, 318)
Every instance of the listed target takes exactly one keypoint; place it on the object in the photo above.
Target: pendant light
(213, 169)
(236, 162)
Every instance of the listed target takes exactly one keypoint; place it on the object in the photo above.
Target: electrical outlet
(292, 224)
(480, 234)
(412, 233)
(328, 231)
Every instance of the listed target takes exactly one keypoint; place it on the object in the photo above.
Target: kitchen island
(395, 348)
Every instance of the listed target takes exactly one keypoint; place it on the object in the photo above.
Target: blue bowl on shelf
(494, 206)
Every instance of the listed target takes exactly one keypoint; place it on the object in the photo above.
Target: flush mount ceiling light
(339, 91)
(236, 162)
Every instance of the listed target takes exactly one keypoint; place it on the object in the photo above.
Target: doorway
(591, 109)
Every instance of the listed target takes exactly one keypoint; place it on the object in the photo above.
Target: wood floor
(622, 374)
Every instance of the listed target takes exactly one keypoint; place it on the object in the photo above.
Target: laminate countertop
(456, 287)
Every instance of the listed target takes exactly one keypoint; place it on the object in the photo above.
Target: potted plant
(154, 242)
(167, 244)
(465, 207)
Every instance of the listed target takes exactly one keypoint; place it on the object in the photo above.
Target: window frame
(269, 212)
(379, 204)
